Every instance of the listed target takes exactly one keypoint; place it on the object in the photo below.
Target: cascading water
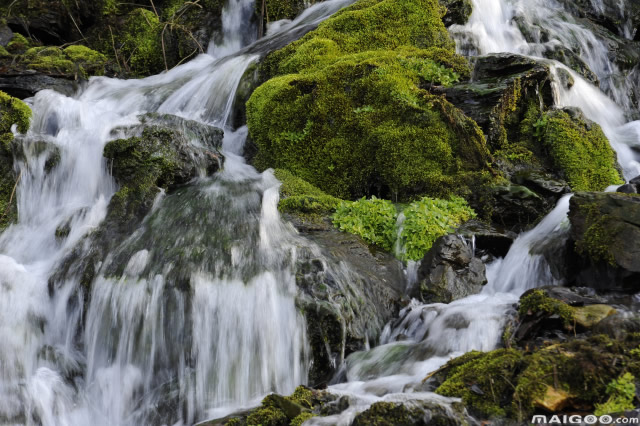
(146, 343)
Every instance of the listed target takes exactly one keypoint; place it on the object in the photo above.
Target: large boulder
(605, 238)
(449, 271)
(348, 293)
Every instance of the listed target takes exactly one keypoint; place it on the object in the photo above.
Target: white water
(233, 337)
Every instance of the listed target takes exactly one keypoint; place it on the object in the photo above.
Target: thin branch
(113, 44)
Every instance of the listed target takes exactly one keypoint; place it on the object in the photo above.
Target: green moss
(513, 384)
(302, 396)
(275, 10)
(428, 219)
(301, 198)
(374, 220)
(599, 236)
(88, 60)
(141, 165)
(572, 144)
(140, 42)
(267, 416)
(622, 393)
(538, 301)
(18, 43)
(12, 111)
(484, 381)
(301, 419)
(3, 52)
(348, 110)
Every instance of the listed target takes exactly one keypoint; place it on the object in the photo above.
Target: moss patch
(538, 301)
(581, 151)
(301, 198)
(12, 111)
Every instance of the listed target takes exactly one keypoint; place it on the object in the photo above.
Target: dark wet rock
(542, 183)
(627, 189)
(347, 292)
(573, 61)
(621, 18)
(516, 206)
(488, 238)
(605, 239)
(417, 413)
(449, 271)
(27, 84)
(458, 11)
(618, 325)
(495, 79)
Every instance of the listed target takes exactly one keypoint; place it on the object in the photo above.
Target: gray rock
(488, 238)
(449, 271)
(5, 35)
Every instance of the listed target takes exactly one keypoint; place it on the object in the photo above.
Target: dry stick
(6, 210)
(187, 57)
(115, 52)
(154, 8)
(164, 53)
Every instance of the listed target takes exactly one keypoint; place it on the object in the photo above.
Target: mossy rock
(605, 230)
(413, 413)
(73, 62)
(513, 383)
(580, 150)
(347, 112)
(12, 112)
(458, 11)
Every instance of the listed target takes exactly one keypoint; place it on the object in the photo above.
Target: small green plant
(621, 395)
(428, 219)
(431, 71)
(374, 220)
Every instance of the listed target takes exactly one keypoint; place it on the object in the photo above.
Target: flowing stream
(238, 335)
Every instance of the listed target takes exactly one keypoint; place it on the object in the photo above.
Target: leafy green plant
(374, 220)
(621, 394)
(428, 219)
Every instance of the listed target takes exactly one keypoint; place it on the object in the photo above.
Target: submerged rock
(605, 237)
(449, 271)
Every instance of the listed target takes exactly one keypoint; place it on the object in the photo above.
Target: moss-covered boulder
(560, 377)
(300, 198)
(605, 235)
(573, 141)
(413, 413)
(349, 113)
(12, 112)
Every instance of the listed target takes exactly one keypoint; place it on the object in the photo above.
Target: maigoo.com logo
(581, 420)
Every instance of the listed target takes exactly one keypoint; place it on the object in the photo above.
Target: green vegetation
(78, 60)
(347, 109)
(515, 383)
(425, 220)
(12, 111)
(581, 151)
(538, 301)
(302, 198)
(622, 393)
(140, 42)
(599, 236)
(374, 220)
(428, 219)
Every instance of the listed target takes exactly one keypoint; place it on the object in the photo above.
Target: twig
(164, 53)
(115, 52)
(154, 8)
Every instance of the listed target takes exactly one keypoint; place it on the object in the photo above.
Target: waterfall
(150, 352)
